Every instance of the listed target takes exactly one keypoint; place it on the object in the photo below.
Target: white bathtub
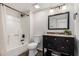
(16, 51)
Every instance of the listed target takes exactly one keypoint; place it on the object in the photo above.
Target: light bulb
(51, 10)
(64, 7)
(37, 6)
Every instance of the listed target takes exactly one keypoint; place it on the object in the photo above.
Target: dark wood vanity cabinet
(59, 44)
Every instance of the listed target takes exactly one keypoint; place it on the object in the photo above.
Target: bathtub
(16, 51)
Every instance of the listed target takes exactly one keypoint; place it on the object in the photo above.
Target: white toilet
(33, 45)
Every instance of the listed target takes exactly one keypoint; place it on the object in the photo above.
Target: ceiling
(25, 7)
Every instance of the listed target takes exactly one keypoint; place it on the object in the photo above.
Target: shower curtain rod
(14, 9)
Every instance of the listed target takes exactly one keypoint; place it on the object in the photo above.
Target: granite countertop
(60, 35)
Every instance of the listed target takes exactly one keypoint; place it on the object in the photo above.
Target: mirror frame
(68, 14)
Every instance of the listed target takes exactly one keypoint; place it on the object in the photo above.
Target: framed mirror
(58, 21)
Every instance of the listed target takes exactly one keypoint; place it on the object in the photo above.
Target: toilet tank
(36, 38)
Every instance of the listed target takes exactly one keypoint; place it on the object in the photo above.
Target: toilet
(33, 46)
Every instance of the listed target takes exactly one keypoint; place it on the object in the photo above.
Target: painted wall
(40, 20)
(31, 25)
(76, 28)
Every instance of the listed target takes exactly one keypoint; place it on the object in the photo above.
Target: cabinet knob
(62, 47)
(67, 40)
(46, 38)
(55, 39)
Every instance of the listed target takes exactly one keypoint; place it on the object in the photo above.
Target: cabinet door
(50, 42)
(70, 44)
(60, 45)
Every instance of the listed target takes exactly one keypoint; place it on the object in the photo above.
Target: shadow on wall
(40, 45)
(76, 49)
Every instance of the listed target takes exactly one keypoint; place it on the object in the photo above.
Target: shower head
(22, 15)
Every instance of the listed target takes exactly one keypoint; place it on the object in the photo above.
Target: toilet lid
(32, 44)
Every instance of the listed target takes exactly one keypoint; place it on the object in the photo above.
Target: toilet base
(33, 52)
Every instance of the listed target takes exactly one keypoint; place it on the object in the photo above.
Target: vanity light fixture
(37, 6)
(51, 10)
(64, 7)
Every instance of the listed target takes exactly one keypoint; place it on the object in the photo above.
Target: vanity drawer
(62, 48)
(54, 42)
